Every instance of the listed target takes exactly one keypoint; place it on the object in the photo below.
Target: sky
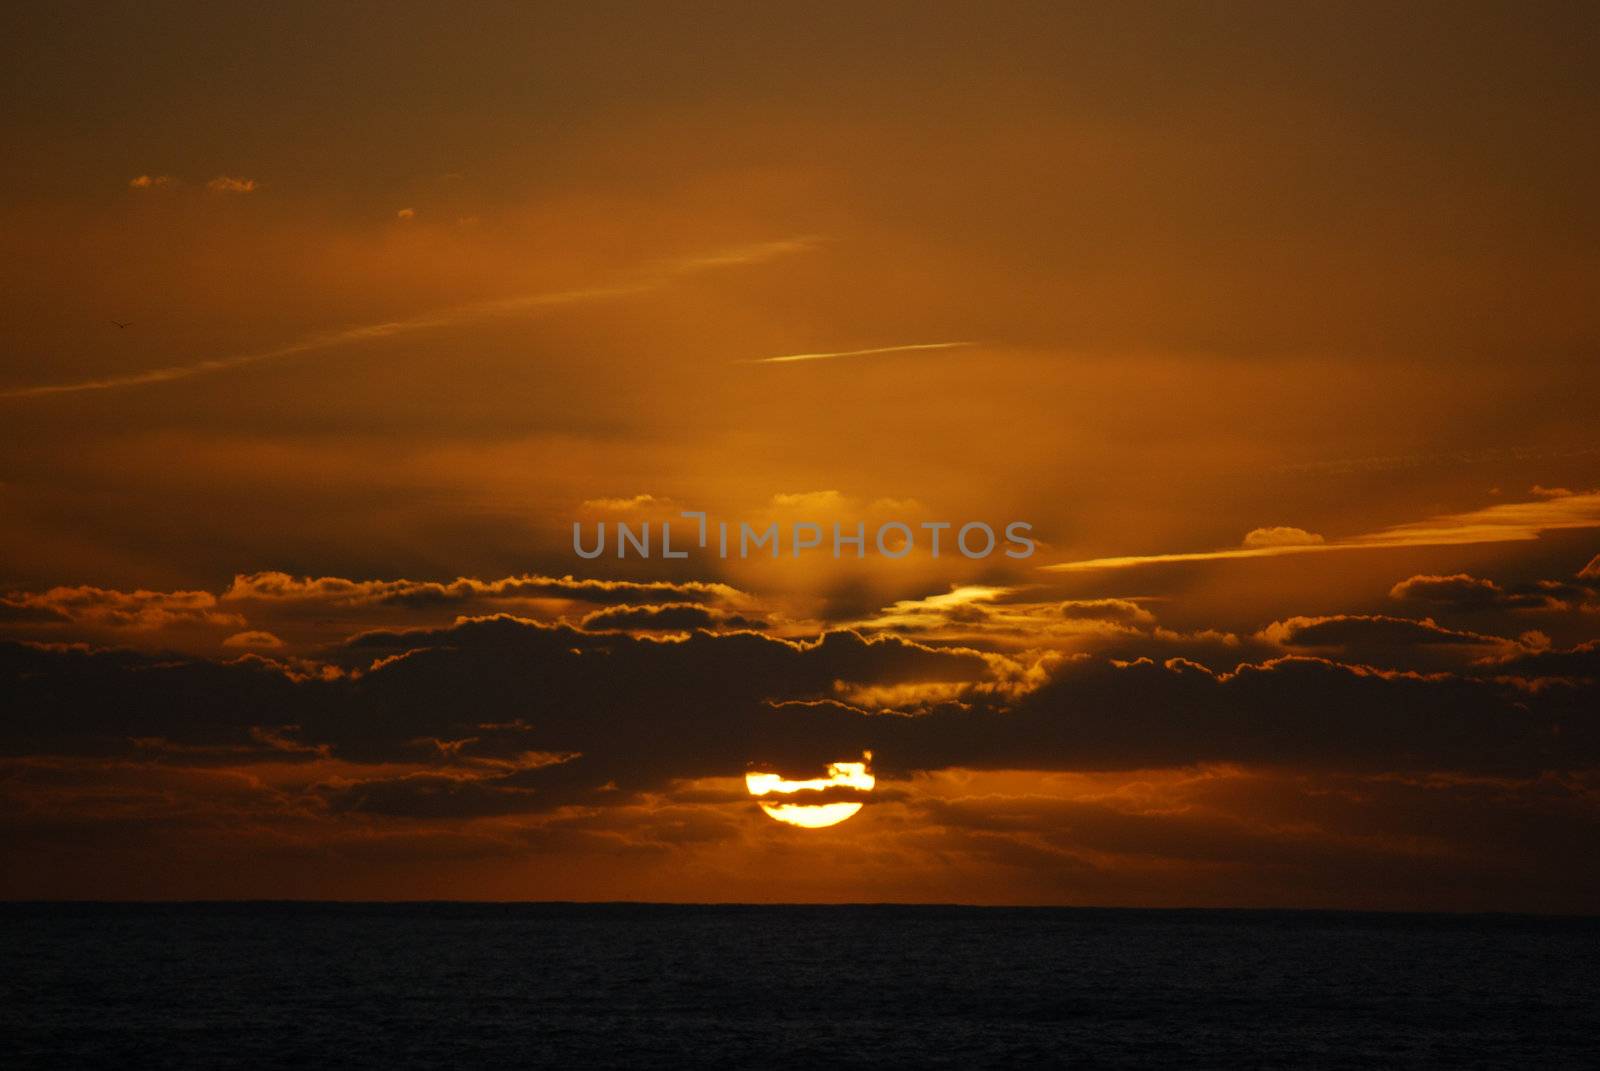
(321, 328)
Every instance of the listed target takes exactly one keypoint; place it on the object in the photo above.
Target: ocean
(311, 985)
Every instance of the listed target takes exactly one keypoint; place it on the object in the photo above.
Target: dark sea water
(580, 986)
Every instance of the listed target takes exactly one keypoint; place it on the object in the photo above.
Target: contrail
(751, 254)
(1509, 522)
(856, 353)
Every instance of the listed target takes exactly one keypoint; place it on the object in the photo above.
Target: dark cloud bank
(511, 716)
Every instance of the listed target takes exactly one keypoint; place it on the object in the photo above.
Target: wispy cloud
(793, 357)
(229, 184)
(634, 502)
(756, 253)
(527, 303)
(1507, 523)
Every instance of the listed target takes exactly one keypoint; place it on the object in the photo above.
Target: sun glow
(842, 776)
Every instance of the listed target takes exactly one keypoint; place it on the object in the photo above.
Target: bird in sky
(119, 323)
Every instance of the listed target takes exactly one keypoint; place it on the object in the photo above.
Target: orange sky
(1276, 323)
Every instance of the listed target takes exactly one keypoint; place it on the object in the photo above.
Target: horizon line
(929, 904)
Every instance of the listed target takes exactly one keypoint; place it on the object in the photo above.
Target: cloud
(619, 505)
(1311, 713)
(1463, 592)
(106, 608)
(459, 793)
(677, 617)
(1471, 842)
(1576, 665)
(1282, 537)
(1125, 610)
(908, 348)
(1006, 618)
(16, 609)
(1510, 522)
(642, 713)
(229, 184)
(151, 182)
(813, 502)
(1592, 570)
(406, 213)
(742, 255)
(442, 318)
(303, 613)
(1370, 631)
(499, 739)
(335, 591)
(255, 639)
(1458, 590)
(1154, 837)
(965, 607)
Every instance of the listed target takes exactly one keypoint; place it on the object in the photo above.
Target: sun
(814, 803)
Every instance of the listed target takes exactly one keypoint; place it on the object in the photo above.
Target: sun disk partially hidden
(845, 777)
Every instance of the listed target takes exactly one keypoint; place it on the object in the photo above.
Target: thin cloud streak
(742, 255)
(793, 357)
(1508, 523)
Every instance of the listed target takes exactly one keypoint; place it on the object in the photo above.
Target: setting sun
(842, 778)
(445, 447)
